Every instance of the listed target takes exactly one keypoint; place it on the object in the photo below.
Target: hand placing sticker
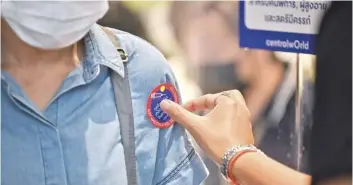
(227, 123)
(157, 116)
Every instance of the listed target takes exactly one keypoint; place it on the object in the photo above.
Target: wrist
(231, 173)
(231, 157)
(244, 161)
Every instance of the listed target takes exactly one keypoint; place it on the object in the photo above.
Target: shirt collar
(100, 51)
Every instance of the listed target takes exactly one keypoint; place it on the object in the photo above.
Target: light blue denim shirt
(76, 140)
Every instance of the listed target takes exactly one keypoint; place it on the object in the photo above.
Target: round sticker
(157, 116)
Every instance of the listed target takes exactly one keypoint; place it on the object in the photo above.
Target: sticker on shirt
(157, 116)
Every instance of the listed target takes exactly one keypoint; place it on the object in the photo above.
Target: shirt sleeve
(189, 169)
(164, 156)
(331, 137)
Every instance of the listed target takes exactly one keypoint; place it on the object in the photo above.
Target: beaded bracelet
(231, 164)
(231, 155)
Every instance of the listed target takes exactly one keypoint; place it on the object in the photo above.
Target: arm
(256, 168)
(228, 124)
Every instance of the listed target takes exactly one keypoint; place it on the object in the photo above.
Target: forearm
(257, 169)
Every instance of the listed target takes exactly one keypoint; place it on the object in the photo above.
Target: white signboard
(281, 25)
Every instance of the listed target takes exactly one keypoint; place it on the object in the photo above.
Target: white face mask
(52, 24)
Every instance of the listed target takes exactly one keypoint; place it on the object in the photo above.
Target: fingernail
(165, 103)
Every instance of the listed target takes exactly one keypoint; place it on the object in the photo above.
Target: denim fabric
(77, 141)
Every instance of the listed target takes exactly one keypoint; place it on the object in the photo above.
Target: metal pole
(298, 103)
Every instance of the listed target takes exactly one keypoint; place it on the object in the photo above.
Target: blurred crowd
(200, 41)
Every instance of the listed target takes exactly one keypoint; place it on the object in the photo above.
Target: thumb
(179, 114)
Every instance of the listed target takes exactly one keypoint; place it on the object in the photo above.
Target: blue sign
(288, 26)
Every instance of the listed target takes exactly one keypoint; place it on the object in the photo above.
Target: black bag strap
(124, 108)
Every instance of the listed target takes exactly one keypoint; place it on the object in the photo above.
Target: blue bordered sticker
(157, 116)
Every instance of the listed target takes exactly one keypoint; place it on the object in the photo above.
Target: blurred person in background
(210, 39)
(121, 17)
(204, 39)
(59, 121)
